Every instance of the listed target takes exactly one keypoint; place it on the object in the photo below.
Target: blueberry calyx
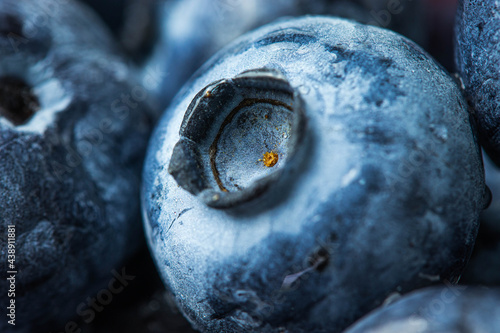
(237, 137)
(18, 103)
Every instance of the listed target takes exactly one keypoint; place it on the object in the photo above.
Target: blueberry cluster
(284, 166)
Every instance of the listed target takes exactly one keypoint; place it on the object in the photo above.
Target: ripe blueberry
(478, 61)
(73, 129)
(377, 187)
(438, 309)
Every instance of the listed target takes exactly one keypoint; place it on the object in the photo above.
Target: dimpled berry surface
(386, 197)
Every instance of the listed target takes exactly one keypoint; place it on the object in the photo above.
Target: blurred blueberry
(309, 170)
(457, 309)
(74, 125)
(478, 60)
(191, 31)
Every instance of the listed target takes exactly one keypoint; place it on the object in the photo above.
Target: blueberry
(193, 30)
(71, 154)
(478, 61)
(439, 309)
(311, 169)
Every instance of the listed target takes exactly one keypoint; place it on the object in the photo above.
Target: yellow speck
(208, 93)
(270, 159)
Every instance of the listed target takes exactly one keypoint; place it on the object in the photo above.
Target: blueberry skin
(191, 31)
(385, 196)
(477, 56)
(449, 309)
(70, 174)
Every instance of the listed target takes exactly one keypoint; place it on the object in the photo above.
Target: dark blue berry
(74, 125)
(478, 61)
(457, 309)
(309, 170)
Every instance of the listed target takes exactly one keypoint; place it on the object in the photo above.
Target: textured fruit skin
(69, 176)
(477, 57)
(191, 31)
(389, 192)
(437, 309)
